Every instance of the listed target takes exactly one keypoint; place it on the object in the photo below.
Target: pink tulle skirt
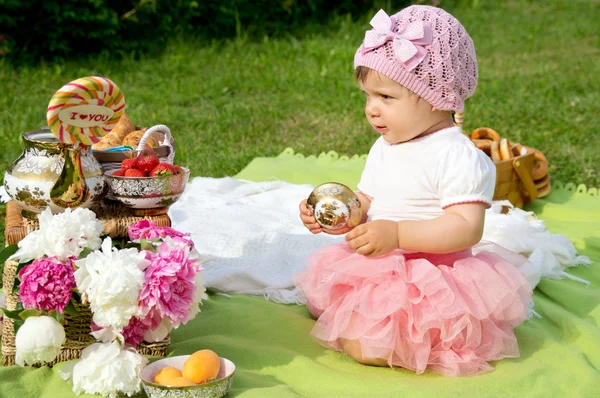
(449, 313)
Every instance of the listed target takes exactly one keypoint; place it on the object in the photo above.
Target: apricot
(166, 374)
(201, 366)
(179, 382)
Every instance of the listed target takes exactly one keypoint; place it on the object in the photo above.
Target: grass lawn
(229, 102)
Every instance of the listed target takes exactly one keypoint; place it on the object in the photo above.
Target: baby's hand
(308, 219)
(374, 238)
(310, 222)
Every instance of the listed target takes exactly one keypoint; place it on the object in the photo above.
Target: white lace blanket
(251, 232)
(255, 240)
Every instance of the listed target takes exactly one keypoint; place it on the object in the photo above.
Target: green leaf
(71, 310)
(146, 244)
(119, 243)
(84, 253)
(17, 324)
(8, 251)
(29, 312)
(75, 296)
(17, 283)
(57, 315)
(13, 314)
(133, 245)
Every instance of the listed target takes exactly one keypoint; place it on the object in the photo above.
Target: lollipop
(335, 206)
(85, 109)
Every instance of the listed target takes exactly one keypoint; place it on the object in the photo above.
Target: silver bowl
(147, 195)
(214, 389)
(335, 206)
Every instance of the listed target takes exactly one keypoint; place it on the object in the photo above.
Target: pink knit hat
(426, 50)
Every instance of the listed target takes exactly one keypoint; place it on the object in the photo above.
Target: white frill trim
(522, 232)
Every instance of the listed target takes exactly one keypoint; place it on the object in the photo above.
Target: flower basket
(116, 220)
(77, 329)
(111, 160)
(74, 293)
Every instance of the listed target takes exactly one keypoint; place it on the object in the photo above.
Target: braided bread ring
(485, 132)
(540, 166)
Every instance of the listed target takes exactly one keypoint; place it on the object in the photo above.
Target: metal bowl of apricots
(200, 375)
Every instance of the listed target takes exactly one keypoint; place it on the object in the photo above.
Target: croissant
(110, 140)
(133, 139)
(123, 127)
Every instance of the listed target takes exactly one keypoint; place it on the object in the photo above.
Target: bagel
(505, 152)
(483, 144)
(544, 191)
(123, 127)
(495, 151)
(542, 182)
(485, 132)
(518, 150)
(540, 166)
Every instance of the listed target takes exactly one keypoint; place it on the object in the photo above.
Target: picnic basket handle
(526, 178)
(160, 128)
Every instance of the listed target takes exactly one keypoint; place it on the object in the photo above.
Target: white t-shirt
(416, 180)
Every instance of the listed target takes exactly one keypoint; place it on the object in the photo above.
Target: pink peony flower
(168, 289)
(146, 229)
(46, 284)
(134, 332)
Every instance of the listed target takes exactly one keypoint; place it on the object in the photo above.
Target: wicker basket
(112, 160)
(514, 181)
(116, 219)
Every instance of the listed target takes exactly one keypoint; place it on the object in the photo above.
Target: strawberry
(134, 173)
(163, 169)
(119, 173)
(178, 169)
(147, 160)
(127, 163)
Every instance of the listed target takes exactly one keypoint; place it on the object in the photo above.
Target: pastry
(110, 140)
(495, 151)
(540, 166)
(485, 132)
(505, 152)
(123, 127)
(133, 139)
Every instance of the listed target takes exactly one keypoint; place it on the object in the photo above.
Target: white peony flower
(61, 235)
(30, 247)
(200, 294)
(107, 369)
(161, 331)
(4, 195)
(111, 280)
(108, 335)
(39, 340)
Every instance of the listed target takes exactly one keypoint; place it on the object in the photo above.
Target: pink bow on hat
(407, 43)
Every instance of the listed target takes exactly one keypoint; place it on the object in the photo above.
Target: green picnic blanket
(275, 357)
